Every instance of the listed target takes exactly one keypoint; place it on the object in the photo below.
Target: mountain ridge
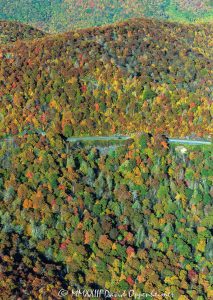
(147, 75)
(89, 30)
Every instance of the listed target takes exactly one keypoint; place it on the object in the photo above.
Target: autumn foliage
(121, 215)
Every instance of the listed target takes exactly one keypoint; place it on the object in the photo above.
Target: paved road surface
(123, 137)
(112, 138)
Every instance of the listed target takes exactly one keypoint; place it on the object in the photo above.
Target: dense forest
(135, 215)
(65, 15)
(142, 75)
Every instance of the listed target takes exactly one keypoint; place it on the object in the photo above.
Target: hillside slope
(13, 31)
(137, 217)
(141, 75)
(64, 15)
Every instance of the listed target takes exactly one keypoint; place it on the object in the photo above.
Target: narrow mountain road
(189, 142)
(124, 138)
(111, 138)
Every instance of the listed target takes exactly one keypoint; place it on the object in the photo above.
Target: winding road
(109, 138)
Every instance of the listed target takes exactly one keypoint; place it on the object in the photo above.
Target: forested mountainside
(142, 75)
(13, 31)
(135, 215)
(137, 218)
(64, 15)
